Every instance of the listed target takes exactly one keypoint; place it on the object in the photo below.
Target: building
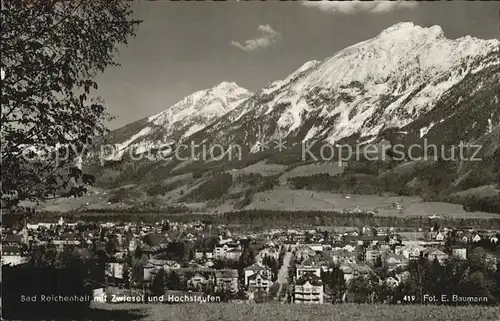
(308, 268)
(253, 269)
(412, 252)
(374, 239)
(344, 257)
(12, 239)
(171, 265)
(13, 255)
(226, 280)
(440, 236)
(308, 289)
(152, 266)
(303, 253)
(221, 251)
(269, 252)
(114, 270)
(260, 281)
(459, 253)
(435, 254)
(392, 282)
(203, 254)
(67, 239)
(393, 261)
(371, 255)
(200, 280)
(353, 271)
(233, 254)
(316, 247)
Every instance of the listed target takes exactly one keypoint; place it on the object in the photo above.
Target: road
(283, 272)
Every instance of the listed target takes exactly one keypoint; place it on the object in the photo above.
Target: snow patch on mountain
(142, 132)
(209, 103)
(275, 85)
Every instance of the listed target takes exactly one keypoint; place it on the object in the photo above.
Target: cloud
(352, 7)
(267, 38)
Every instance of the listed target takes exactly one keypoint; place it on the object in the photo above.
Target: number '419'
(409, 298)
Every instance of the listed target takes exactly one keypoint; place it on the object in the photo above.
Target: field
(283, 198)
(261, 168)
(312, 169)
(293, 312)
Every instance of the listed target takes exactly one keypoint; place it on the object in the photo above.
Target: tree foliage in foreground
(51, 53)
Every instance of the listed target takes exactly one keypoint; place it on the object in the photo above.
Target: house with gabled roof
(412, 252)
(371, 255)
(308, 289)
(440, 236)
(260, 281)
(269, 252)
(311, 265)
(221, 250)
(227, 280)
(435, 254)
(254, 269)
(391, 282)
(200, 280)
(393, 261)
(343, 257)
(303, 253)
(352, 271)
(459, 253)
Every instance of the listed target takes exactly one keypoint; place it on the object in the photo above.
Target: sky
(182, 47)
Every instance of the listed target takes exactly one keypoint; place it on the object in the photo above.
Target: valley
(359, 97)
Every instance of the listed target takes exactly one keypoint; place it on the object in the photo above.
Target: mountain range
(409, 83)
(407, 77)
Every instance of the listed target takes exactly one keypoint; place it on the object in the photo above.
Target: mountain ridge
(178, 121)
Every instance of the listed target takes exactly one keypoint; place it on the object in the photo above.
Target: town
(186, 262)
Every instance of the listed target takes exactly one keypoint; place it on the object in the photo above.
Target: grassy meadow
(294, 312)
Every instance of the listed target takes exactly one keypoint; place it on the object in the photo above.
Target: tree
(112, 245)
(497, 282)
(126, 276)
(138, 271)
(449, 244)
(477, 259)
(247, 258)
(158, 284)
(138, 253)
(51, 52)
(273, 290)
(173, 282)
(359, 290)
(334, 282)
